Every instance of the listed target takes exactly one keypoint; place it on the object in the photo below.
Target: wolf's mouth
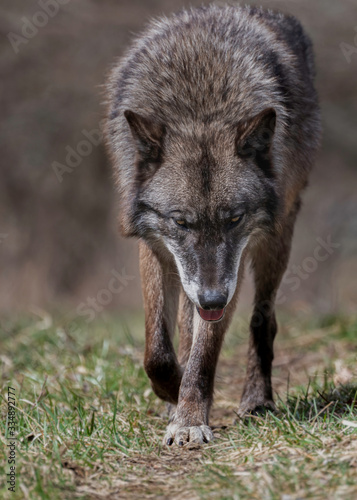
(211, 315)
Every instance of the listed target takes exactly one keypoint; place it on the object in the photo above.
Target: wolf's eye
(234, 221)
(182, 223)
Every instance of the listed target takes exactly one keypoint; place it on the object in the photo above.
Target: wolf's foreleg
(269, 262)
(185, 326)
(190, 422)
(161, 294)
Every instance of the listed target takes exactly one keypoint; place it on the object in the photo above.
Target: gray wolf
(213, 126)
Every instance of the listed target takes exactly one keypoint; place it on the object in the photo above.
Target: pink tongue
(211, 315)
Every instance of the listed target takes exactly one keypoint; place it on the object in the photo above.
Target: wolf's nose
(212, 299)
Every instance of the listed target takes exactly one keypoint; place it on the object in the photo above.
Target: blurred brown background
(58, 231)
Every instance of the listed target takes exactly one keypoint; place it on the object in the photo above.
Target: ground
(90, 427)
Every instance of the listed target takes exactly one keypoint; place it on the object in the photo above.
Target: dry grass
(89, 425)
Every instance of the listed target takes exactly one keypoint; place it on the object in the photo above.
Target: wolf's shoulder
(289, 30)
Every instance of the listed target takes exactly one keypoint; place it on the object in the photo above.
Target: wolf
(213, 126)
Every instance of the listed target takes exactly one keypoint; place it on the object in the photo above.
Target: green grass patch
(89, 425)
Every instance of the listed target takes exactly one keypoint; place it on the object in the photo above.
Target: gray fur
(212, 115)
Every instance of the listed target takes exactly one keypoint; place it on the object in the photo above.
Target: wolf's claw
(183, 435)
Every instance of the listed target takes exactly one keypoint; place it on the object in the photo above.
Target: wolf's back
(208, 58)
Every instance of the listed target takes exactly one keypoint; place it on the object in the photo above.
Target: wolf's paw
(181, 435)
(249, 408)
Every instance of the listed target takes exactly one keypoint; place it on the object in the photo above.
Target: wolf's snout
(212, 299)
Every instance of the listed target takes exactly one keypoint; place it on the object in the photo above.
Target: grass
(89, 425)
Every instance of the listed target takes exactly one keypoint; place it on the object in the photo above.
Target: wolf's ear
(255, 137)
(148, 135)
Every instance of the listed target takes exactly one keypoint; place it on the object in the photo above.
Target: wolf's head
(204, 193)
